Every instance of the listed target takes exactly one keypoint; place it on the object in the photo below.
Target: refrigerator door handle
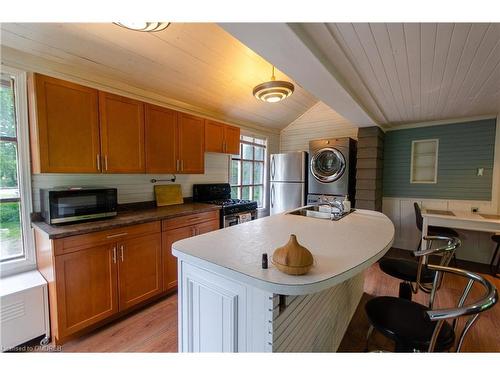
(273, 167)
(272, 195)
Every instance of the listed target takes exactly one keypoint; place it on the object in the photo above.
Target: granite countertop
(124, 218)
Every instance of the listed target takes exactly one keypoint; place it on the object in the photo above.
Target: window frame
(28, 261)
(253, 161)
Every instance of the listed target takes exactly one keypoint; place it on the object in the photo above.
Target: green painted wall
(463, 147)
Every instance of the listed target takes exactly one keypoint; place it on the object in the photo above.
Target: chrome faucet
(333, 204)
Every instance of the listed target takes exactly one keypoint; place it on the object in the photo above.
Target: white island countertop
(341, 249)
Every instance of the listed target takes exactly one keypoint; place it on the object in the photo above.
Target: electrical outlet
(474, 209)
(480, 171)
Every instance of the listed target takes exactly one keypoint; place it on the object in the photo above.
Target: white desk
(459, 220)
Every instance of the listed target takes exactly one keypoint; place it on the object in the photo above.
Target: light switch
(480, 171)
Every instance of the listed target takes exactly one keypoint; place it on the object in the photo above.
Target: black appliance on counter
(232, 210)
(66, 205)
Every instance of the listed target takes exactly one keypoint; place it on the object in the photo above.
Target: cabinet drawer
(74, 243)
(183, 221)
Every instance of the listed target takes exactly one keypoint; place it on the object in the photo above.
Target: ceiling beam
(282, 45)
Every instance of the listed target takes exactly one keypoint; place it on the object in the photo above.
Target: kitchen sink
(319, 212)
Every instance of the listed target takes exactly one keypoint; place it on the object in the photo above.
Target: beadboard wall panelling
(133, 187)
(319, 122)
(316, 322)
(476, 246)
(463, 148)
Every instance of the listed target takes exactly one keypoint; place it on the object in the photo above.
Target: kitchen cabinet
(122, 134)
(86, 288)
(178, 229)
(64, 126)
(161, 139)
(139, 269)
(221, 138)
(191, 144)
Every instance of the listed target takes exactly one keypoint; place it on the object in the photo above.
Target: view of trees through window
(11, 243)
(247, 170)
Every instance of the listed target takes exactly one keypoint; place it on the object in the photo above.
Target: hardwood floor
(154, 328)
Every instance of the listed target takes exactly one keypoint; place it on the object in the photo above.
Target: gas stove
(220, 194)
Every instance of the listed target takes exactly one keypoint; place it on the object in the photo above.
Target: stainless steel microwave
(68, 205)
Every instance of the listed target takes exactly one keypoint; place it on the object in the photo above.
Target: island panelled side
(96, 277)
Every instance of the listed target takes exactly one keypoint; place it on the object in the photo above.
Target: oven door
(77, 205)
(234, 219)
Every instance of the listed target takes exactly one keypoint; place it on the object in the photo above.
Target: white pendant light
(144, 26)
(273, 91)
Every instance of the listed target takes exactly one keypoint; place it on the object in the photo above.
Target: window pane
(247, 151)
(259, 153)
(235, 172)
(7, 109)
(246, 139)
(245, 192)
(258, 173)
(8, 164)
(247, 173)
(11, 243)
(260, 141)
(235, 192)
(257, 195)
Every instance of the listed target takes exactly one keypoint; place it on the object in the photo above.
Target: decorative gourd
(293, 258)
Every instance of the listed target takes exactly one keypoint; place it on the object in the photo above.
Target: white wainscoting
(134, 187)
(476, 246)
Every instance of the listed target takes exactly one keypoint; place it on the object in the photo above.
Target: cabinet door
(191, 144)
(232, 140)
(139, 269)
(122, 134)
(65, 131)
(169, 261)
(214, 136)
(208, 226)
(86, 287)
(161, 139)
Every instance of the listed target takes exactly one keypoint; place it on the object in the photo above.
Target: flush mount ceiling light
(144, 26)
(273, 91)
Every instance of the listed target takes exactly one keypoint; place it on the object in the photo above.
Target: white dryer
(332, 168)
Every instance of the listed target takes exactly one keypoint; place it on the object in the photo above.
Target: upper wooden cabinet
(64, 126)
(161, 140)
(221, 138)
(191, 144)
(122, 134)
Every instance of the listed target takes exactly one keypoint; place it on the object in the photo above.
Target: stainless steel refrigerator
(288, 188)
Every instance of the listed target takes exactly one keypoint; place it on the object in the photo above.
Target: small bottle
(264, 261)
(347, 204)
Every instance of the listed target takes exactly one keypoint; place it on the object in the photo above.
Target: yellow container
(167, 195)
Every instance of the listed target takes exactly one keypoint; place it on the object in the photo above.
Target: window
(424, 161)
(247, 170)
(16, 244)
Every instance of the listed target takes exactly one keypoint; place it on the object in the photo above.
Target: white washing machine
(332, 168)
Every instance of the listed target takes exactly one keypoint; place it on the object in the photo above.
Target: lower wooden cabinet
(169, 236)
(139, 269)
(86, 288)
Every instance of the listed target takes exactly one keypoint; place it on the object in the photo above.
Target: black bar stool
(495, 263)
(415, 275)
(417, 328)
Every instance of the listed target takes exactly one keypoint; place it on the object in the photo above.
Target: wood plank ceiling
(198, 64)
(407, 73)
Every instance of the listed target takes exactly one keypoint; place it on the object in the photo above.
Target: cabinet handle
(177, 165)
(121, 252)
(182, 165)
(193, 218)
(117, 235)
(98, 157)
(193, 231)
(106, 162)
(114, 254)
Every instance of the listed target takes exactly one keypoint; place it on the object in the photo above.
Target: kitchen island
(228, 303)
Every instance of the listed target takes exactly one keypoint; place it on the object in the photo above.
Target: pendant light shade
(144, 26)
(273, 91)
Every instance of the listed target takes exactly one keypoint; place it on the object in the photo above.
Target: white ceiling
(198, 64)
(417, 72)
